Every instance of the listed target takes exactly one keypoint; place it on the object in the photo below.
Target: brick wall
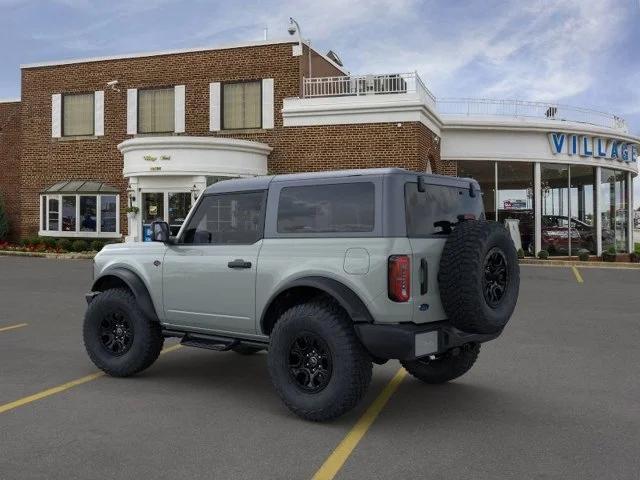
(9, 163)
(45, 161)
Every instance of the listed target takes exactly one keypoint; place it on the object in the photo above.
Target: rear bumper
(409, 341)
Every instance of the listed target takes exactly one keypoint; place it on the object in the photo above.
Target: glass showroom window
(515, 201)
(582, 194)
(614, 210)
(156, 110)
(485, 174)
(79, 216)
(242, 105)
(554, 183)
(77, 114)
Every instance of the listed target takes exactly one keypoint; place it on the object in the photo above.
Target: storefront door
(170, 207)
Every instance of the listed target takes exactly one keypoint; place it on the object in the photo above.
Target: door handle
(239, 263)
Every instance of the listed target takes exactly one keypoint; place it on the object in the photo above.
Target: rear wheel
(118, 337)
(452, 364)
(317, 365)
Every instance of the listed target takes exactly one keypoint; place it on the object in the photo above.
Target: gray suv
(329, 272)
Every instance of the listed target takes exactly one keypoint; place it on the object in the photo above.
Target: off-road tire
(351, 365)
(246, 350)
(445, 368)
(147, 337)
(463, 276)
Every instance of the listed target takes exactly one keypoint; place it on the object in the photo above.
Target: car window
(227, 219)
(345, 207)
(436, 210)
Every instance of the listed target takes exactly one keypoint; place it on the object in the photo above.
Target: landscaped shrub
(49, 242)
(543, 254)
(30, 241)
(583, 254)
(64, 244)
(79, 246)
(97, 245)
(610, 254)
(520, 253)
(4, 221)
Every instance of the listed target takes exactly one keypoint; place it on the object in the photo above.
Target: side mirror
(160, 232)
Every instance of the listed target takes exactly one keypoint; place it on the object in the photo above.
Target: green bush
(520, 253)
(583, 255)
(79, 246)
(543, 254)
(49, 242)
(4, 221)
(97, 245)
(610, 254)
(30, 241)
(64, 244)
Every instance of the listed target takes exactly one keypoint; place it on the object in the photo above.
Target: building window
(76, 215)
(614, 210)
(242, 105)
(156, 110)
(515, 201)
(485, 174)
(78, 114)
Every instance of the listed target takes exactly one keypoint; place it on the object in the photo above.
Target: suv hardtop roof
(263, 182)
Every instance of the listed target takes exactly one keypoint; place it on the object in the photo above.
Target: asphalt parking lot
(556, 396)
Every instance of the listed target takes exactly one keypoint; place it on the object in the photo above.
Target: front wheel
(118, 337)
(452, 364)
(317, 364)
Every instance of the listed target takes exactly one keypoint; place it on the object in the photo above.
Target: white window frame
(78, 233)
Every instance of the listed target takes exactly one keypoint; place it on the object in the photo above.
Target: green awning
(80, 187)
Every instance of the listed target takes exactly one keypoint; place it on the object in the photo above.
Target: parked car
(330, 272)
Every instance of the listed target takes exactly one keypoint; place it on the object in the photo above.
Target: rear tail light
(399, 278)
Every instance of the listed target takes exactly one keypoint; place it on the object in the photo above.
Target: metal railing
(519, 108)
(356, 85)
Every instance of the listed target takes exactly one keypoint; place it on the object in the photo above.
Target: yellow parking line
(336, 460)
(11, 327)
(65, 386)
(577, 274)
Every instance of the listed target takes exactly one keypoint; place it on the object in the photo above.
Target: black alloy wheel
(496, 277)
(310, 362)
(116, 334)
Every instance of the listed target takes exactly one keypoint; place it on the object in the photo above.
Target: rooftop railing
(518, 109)
(411, 83)
(357, 85)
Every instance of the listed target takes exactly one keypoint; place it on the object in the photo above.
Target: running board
(209, 342)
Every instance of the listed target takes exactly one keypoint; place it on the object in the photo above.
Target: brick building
(90, 138)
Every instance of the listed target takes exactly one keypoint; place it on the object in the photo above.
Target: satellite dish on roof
(334, 56)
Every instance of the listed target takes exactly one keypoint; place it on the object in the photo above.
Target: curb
(57, 256)
(574, 263)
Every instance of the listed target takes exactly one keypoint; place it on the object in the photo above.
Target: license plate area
(426, 343)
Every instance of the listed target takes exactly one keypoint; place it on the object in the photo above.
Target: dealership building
(101, 147)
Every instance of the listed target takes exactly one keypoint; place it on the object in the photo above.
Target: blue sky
(581, 52)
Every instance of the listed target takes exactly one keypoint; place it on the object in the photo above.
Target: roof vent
(334, 56)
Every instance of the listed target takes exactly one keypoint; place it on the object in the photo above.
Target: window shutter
(179, 113)
(214, 106)
(267, 103)
(132, 111)
(98, 113)
(56, 115)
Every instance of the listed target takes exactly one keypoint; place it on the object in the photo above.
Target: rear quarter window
(344, 207)
(428, 213)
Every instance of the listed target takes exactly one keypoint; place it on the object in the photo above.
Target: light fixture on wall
(436, 139)
(131, 193)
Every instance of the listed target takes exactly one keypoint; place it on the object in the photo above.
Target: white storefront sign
(592, 146)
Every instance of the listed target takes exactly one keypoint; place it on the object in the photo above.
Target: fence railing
(519, 108)
(356, 85)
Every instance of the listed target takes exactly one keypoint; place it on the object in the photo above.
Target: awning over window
(80, 187)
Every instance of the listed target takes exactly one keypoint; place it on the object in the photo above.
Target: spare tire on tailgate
(479, 277)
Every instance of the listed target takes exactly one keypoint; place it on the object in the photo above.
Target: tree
(4, 221)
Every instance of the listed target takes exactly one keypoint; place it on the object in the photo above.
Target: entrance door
(170, 207)
(209, 276)
(152, 210)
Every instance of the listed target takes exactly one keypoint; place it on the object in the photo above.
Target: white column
(537, 206)
(133, 222)
(598, 219)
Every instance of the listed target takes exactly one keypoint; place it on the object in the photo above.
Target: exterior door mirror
(160, 232)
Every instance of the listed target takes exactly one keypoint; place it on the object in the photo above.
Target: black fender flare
(135, 284)
(346, 297)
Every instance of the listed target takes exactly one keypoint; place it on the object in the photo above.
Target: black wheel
(118, 337)
(316, 362)
(479, 277)
(246, 349)
(442, 369)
